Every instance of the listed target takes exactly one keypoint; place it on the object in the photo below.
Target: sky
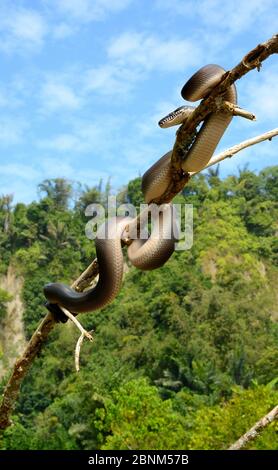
(83, 84)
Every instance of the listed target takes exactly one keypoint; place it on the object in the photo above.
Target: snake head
(176, 117)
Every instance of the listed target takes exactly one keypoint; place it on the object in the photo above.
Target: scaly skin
(155, 251)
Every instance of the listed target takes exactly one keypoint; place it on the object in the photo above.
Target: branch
(85, 333)
(23, 364)
(77, 351)
(254, 431)
(187, 131)
(238, 147)
(185, 137)
(236, 110)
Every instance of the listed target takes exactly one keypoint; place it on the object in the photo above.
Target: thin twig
(77, 323)
(77, 351)
(255, 430)
(78, 348)
(185, 137)
(84, 334)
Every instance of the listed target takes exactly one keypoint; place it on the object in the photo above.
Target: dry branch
(83, 332)
(77, 351)
(236, 110)
(187, 131)
(23, 364)
(184, 139)
(228, 153)
(78, 348)
(255, 430)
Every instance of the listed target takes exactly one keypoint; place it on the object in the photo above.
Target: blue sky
(84, 82)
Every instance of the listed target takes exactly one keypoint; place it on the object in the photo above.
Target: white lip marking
(176, 117)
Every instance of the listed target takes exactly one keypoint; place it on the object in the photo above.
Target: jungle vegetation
(186, 357)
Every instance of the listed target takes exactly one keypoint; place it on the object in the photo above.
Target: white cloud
(12, 93)
(61, 143)
(19, 170)
(132, 56)
(12, 131)
(27, 26)
(150, 52)
(88, 10)
(261, 94)
(21, 28)
(20, 189)
(63, 30)
(84, 137)
(3, 99)
(25, 29)
(110, 79)
(232, 17)
(56, 95)
(67, 169)
(139, 157)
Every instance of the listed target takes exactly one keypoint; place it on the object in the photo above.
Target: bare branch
(77, 323)
(23, 364)
(78, 348)
(185, 137)
(86, 277)
(236, 110)
(255, 430)
(21, 368)
(238, 147)
(77, 351)
(84, 334)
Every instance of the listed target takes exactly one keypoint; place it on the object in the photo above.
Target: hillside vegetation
(186, 357)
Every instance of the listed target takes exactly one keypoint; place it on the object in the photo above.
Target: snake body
(156, 250)
(156, 179)
(146, 254)
(110, 262)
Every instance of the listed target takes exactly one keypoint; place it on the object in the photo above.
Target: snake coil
(157, 249)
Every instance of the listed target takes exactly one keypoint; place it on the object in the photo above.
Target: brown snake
(157, 249)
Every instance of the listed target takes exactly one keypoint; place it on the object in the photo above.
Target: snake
(108, 244)
(151, 253)
(157, 178)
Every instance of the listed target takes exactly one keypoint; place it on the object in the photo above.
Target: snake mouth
(176, 117)
(163, 121)
(169, 120)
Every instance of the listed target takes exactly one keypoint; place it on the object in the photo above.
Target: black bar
(130, 458)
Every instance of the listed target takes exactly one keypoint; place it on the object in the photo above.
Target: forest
(186, 356)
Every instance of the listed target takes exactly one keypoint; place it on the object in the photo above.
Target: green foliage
(137, 418)
(183, 356)
(16, 437)
(219, 426)
(57, 190)
(4, 298)
(134, 193)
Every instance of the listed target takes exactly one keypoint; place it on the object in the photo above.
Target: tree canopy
(186, 357)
